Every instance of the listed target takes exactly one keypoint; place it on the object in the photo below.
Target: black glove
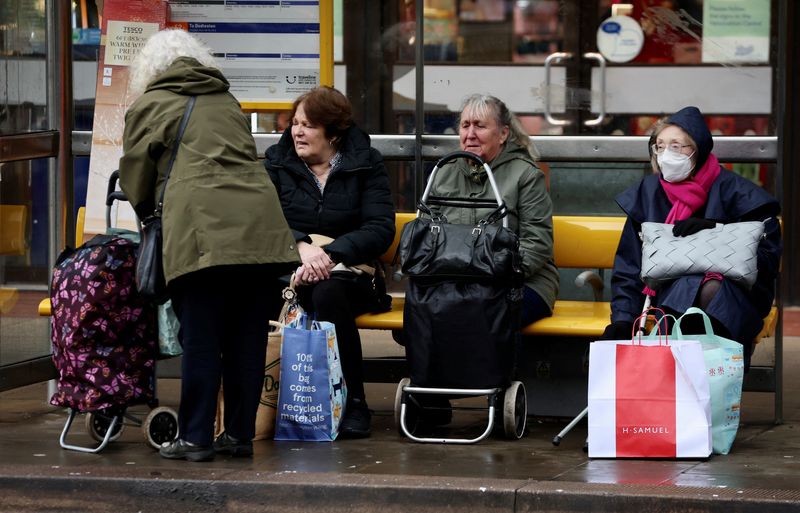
(618, 330)
(691, 226)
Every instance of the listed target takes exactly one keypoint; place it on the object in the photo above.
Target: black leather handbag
(150, 281)
(461, 318)
(431, 247)
(435, 249)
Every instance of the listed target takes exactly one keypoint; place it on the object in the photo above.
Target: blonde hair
(160, 51)
(487, 106)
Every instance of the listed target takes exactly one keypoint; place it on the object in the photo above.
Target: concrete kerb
(244, 492)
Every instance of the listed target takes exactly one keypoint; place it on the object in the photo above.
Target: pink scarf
(688, 196)
(691, 194)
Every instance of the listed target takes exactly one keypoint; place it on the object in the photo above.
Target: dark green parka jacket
(530, 210)
(220, 208)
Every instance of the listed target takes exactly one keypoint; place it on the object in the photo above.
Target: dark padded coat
(356, 208)
(731, 199)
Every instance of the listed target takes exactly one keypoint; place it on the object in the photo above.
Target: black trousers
(340, 301)
(224, 325)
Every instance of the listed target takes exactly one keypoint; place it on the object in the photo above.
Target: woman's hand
(691, 226)
(316, 266)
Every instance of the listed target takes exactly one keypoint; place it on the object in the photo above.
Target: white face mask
(675, 167)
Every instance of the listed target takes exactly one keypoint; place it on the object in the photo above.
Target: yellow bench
(80, 221)
(13, 227)
(580, 242)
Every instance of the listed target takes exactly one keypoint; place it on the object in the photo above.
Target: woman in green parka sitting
(488, 129)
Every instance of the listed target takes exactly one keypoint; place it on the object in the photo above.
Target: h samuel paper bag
(648, 399)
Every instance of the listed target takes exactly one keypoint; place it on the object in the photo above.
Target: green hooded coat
(220, 207)
(530, 210)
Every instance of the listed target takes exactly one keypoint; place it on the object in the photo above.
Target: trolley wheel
(160, 425)
(412, 416)
(515, 411)
(97, 423)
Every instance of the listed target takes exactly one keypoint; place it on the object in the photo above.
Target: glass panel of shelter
(542, 58)
(24, 226)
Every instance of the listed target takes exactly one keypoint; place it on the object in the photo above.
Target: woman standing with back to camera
(225, 238)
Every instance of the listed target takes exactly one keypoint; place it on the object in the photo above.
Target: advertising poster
(270, 51)
(126, 26)
(736, 31)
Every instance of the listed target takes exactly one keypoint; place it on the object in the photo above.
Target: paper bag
(648, 400)
(268, 403)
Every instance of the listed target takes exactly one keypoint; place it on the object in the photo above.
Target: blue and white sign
(269, 50)
(620, 39)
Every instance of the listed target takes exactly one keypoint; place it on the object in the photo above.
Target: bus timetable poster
(271, 51)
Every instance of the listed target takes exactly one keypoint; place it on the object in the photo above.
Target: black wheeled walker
(461, 318)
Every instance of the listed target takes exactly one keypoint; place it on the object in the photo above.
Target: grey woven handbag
(727, 249)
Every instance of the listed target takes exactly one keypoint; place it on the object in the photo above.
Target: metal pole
(419, 103)
(59, 113)
(782, 70)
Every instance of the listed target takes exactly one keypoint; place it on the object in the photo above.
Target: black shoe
(182, 450)
(356, 421)
(226, 444)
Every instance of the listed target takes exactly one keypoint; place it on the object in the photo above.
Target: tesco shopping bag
(724, 359)
(312, 389)
(648, 399)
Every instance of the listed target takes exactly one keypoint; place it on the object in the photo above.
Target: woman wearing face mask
(689, 189)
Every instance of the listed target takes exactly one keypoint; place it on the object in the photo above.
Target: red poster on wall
(126, 26)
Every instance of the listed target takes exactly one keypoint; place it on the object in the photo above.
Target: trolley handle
(459, 155)
(112, 194)
(501, 208)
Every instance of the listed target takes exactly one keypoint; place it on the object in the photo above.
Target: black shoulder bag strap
(181, 130)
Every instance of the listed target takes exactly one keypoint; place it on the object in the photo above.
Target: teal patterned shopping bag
(724, 361)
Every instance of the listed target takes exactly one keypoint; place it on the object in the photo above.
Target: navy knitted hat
(691, 121)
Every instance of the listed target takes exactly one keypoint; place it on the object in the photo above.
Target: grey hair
(160, 51)
(485, 106)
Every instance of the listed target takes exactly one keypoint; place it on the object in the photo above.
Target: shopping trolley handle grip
(459, 155)
(112, 194)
